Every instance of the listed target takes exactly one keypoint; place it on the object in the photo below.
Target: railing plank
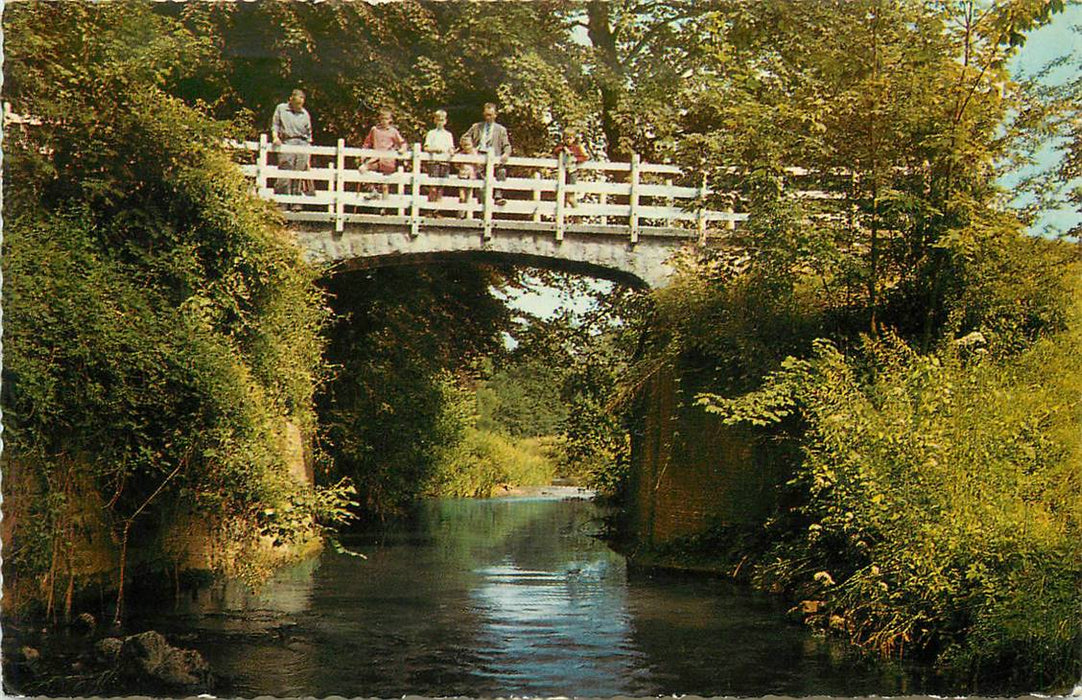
(603, 196)
(537, 195)
(401, 184)
(261, 163)
(700, 212)
(668, 196)
(534, 208)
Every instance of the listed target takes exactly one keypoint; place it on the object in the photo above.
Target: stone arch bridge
(621, 221)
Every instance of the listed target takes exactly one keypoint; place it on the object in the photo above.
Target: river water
(509, 596)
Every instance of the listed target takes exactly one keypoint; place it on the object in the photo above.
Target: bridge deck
(626, 200)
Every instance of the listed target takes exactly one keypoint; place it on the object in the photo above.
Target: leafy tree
(1049, 120)
(640, 56)
(591, 352)
(936, 501)
(915, 419)
(415, 57)
(162, 333)
(522, 400)
(896, 110)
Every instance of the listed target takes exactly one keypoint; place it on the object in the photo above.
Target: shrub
(940, 501)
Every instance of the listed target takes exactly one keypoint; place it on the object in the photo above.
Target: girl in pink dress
(383, 137)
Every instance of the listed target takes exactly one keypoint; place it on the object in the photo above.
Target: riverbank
(86, 661)
(552, 491)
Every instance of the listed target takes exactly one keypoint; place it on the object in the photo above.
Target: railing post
(415, 188)
(700, 216)
(668, 203)
(490, 170)
(537, 195)
(561, 192)
(401, 187)
(603, 198)
(261, 164)
(340, 186)
(633, 203)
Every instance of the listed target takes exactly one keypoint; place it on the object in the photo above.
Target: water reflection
(565, 631)
(504, 597)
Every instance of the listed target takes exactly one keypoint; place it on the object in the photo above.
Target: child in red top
(571, 153)
(383, 137)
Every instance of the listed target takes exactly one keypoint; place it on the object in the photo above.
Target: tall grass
(485, 461)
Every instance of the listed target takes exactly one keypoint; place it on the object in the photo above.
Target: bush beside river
(161, 334)
(935, 508)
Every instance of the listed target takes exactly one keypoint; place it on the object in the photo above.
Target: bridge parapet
(624, 200)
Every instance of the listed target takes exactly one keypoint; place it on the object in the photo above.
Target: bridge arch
(644, 264)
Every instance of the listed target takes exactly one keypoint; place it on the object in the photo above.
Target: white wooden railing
(625, 199)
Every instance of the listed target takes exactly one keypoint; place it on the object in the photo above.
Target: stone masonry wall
(690, 471)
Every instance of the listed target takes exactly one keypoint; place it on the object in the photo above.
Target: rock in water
(85, 622)
(150, 656)
(184, 667)
(108, 650)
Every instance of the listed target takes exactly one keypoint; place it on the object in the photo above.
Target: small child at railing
(440, 144)
(383, 137)
(571, 153)
(466, 171)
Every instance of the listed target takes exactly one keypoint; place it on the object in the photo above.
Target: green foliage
(582, 357)
(464, 463)
(936, 506)
(939, 500)
(943, 501)
(595, 445)
(741, 322)
(1011, 288)
(162, 335)
(400, 333)
(416, 57)
(618, 87)
(1050, 117)
(481, 462)
(533, 461)
(299, 510)
(471, 462)
(898, 111)
(522, 400)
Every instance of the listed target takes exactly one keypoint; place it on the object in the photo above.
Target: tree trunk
(118, 612)
(609, 75)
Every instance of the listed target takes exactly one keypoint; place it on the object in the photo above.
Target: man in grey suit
(292, 125)
(490, 136)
